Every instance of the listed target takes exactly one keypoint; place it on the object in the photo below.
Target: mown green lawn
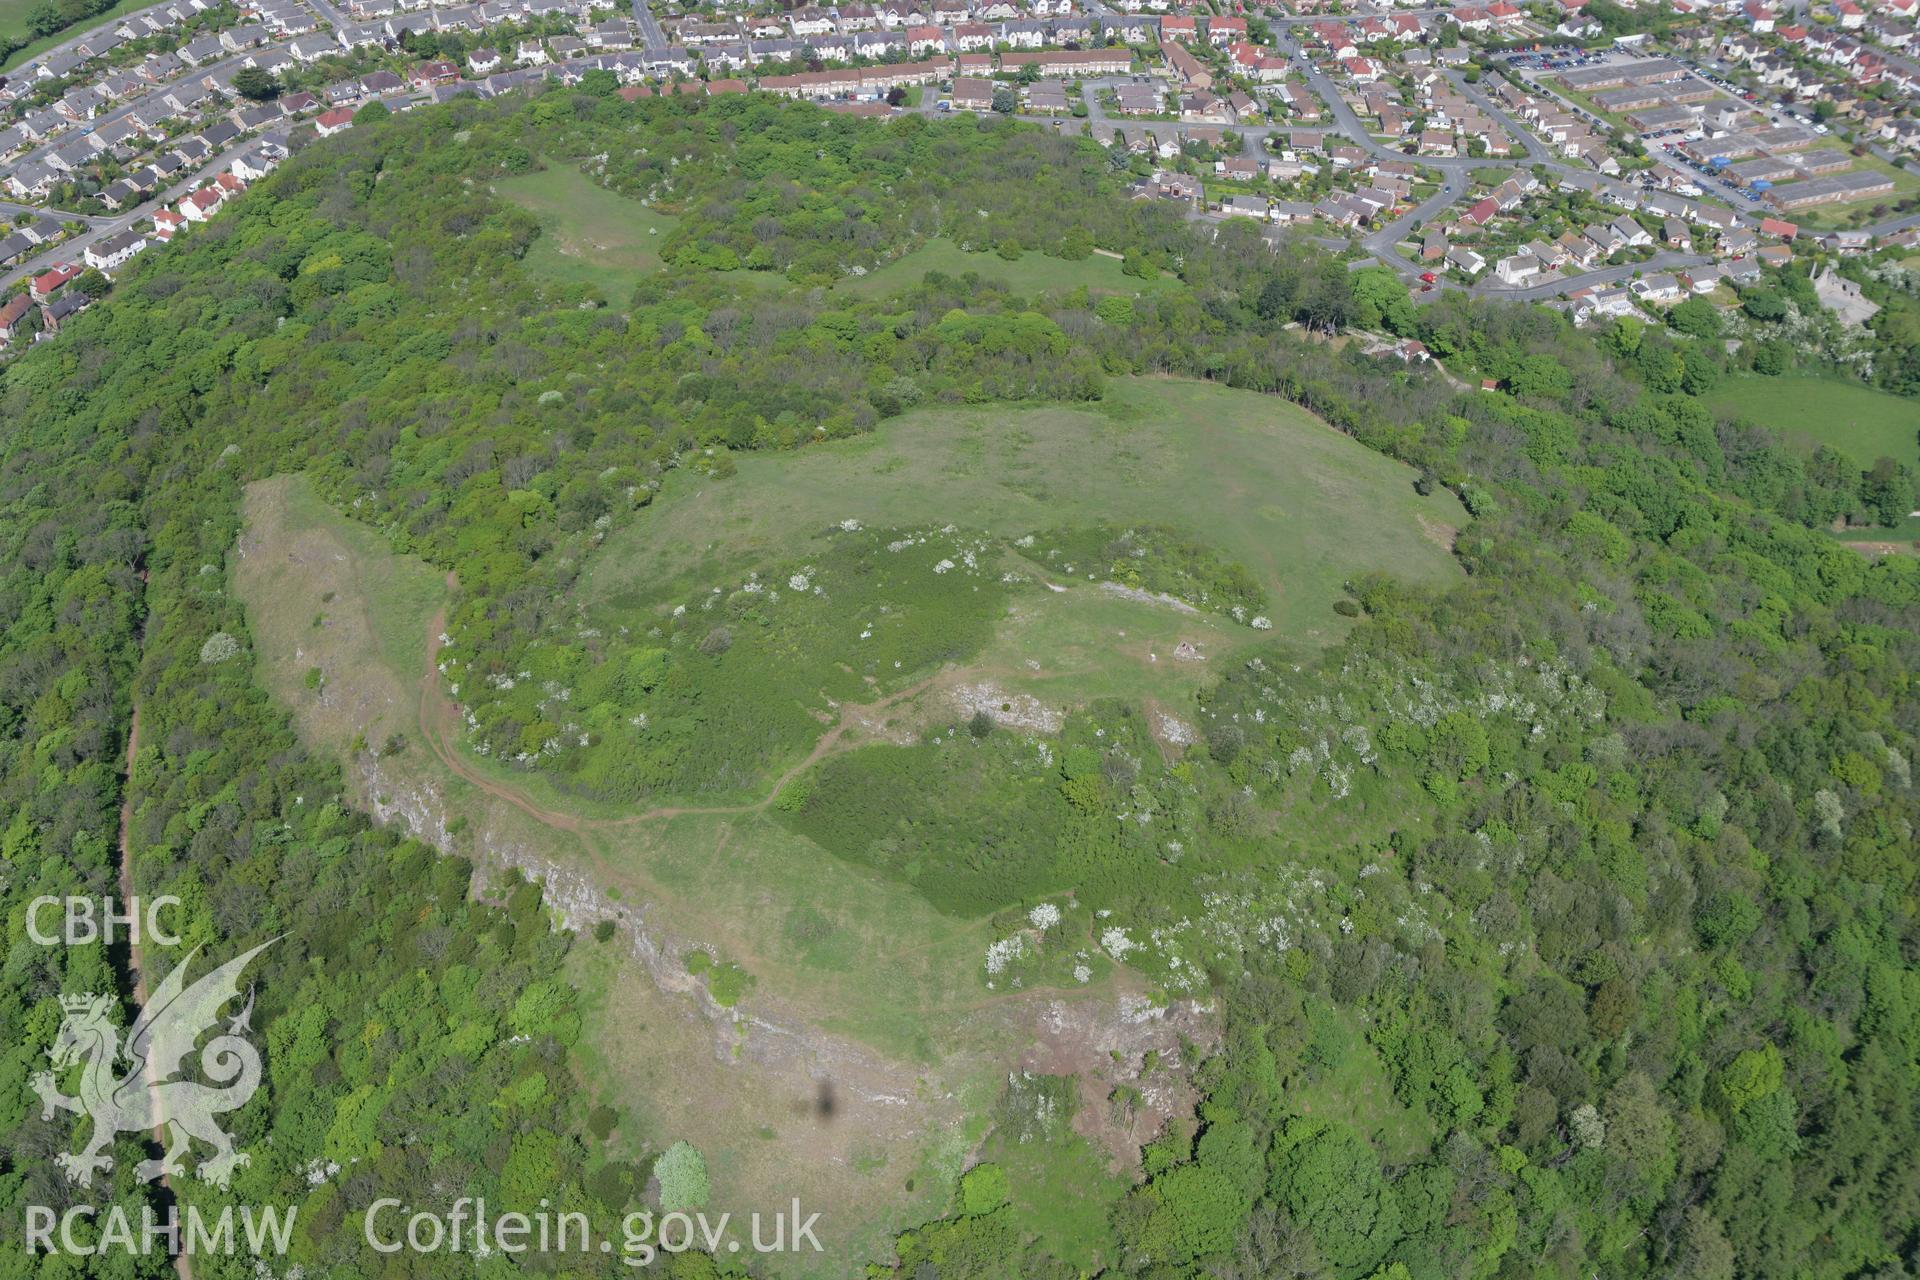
(1861, 422)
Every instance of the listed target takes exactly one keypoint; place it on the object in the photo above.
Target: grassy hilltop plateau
(750, 654)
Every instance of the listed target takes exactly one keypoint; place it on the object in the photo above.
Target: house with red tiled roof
(439, 72)
(202, 204)
(338, 120)
(47, 284)
(1222, 32)
(1481, 212)
(12, 313)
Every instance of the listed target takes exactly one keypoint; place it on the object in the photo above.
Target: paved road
(10, 211)
(651, 36)
(1492, 288)
(1538, 152)
(1384, 242)
(329, 13)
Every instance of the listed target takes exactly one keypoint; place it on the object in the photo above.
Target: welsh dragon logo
(150, 1093)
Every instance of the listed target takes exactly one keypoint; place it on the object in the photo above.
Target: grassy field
(861, 993)
(589, 235)
(1861, 422)
(1032, 272)
(1265, 483)
(13, 22)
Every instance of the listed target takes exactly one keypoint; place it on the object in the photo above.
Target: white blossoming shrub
(218, 648)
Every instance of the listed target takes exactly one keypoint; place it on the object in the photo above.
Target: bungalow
(313, 48)
(204, 50)
(1464, 259)
(339, 120)
(1578, 249)
(1658, 288)
(1702, 280)
(1481, 213)
(1204, 108)
(1605, 240)
(1550, 255)
(432, 73)
(116, 196)
(1632, 233)
(1602, 303)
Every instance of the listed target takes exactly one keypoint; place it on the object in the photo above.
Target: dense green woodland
(1638, 959)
